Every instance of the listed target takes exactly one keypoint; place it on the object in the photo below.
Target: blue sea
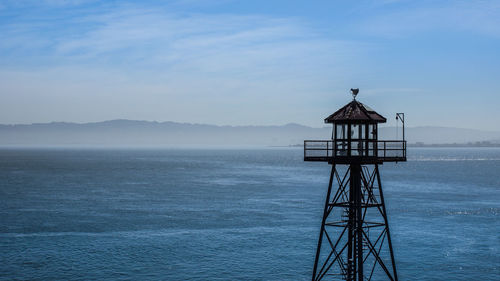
(232, 214)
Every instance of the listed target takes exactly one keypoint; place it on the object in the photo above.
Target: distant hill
(145, 133)
(441, 135)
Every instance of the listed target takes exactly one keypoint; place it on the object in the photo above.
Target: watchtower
(354, 241)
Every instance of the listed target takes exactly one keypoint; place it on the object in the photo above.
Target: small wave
(141, 233)
(49, 234)
(490, 211)
(155, 233)
(135, 183)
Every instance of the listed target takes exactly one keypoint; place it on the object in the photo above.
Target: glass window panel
(341, 131)
(372, 131)
(354, 131)
(362, 131)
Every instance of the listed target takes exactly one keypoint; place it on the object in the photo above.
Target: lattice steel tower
(354, 241)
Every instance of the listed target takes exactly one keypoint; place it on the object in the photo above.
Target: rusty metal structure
(354, 241)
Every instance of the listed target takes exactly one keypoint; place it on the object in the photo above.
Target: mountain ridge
(141, 132)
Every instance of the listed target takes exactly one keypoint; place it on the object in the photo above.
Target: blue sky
(249, 62)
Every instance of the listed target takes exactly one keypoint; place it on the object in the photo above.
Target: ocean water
(232, 214)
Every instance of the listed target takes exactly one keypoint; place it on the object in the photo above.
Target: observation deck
(363, 151)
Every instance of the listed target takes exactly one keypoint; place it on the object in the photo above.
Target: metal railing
(384, 150)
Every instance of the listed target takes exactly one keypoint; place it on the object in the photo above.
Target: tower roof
(355, 112)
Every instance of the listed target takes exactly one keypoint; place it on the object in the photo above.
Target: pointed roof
(355, 112)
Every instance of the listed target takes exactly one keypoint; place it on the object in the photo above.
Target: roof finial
(354, 93)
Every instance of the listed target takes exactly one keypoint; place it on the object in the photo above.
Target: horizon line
(216, 125)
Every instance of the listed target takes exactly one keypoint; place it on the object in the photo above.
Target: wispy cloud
(91, 61)
(160, 38)
(228, 64)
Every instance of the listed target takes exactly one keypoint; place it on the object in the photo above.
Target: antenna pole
(401, 116)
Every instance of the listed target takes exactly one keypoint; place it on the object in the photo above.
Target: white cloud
(92, 64)
(155, 64)
(158, 38)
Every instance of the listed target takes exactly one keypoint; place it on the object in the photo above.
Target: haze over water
(232, 214)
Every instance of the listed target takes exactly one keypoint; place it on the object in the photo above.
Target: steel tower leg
(325, 215)
(358, 219)
(393, 261)
(354, 228)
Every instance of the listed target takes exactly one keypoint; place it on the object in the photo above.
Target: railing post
(385, 147)
(327, 149)
(305, 149)
(404, 149)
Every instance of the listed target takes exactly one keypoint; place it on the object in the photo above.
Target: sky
(253, 62)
